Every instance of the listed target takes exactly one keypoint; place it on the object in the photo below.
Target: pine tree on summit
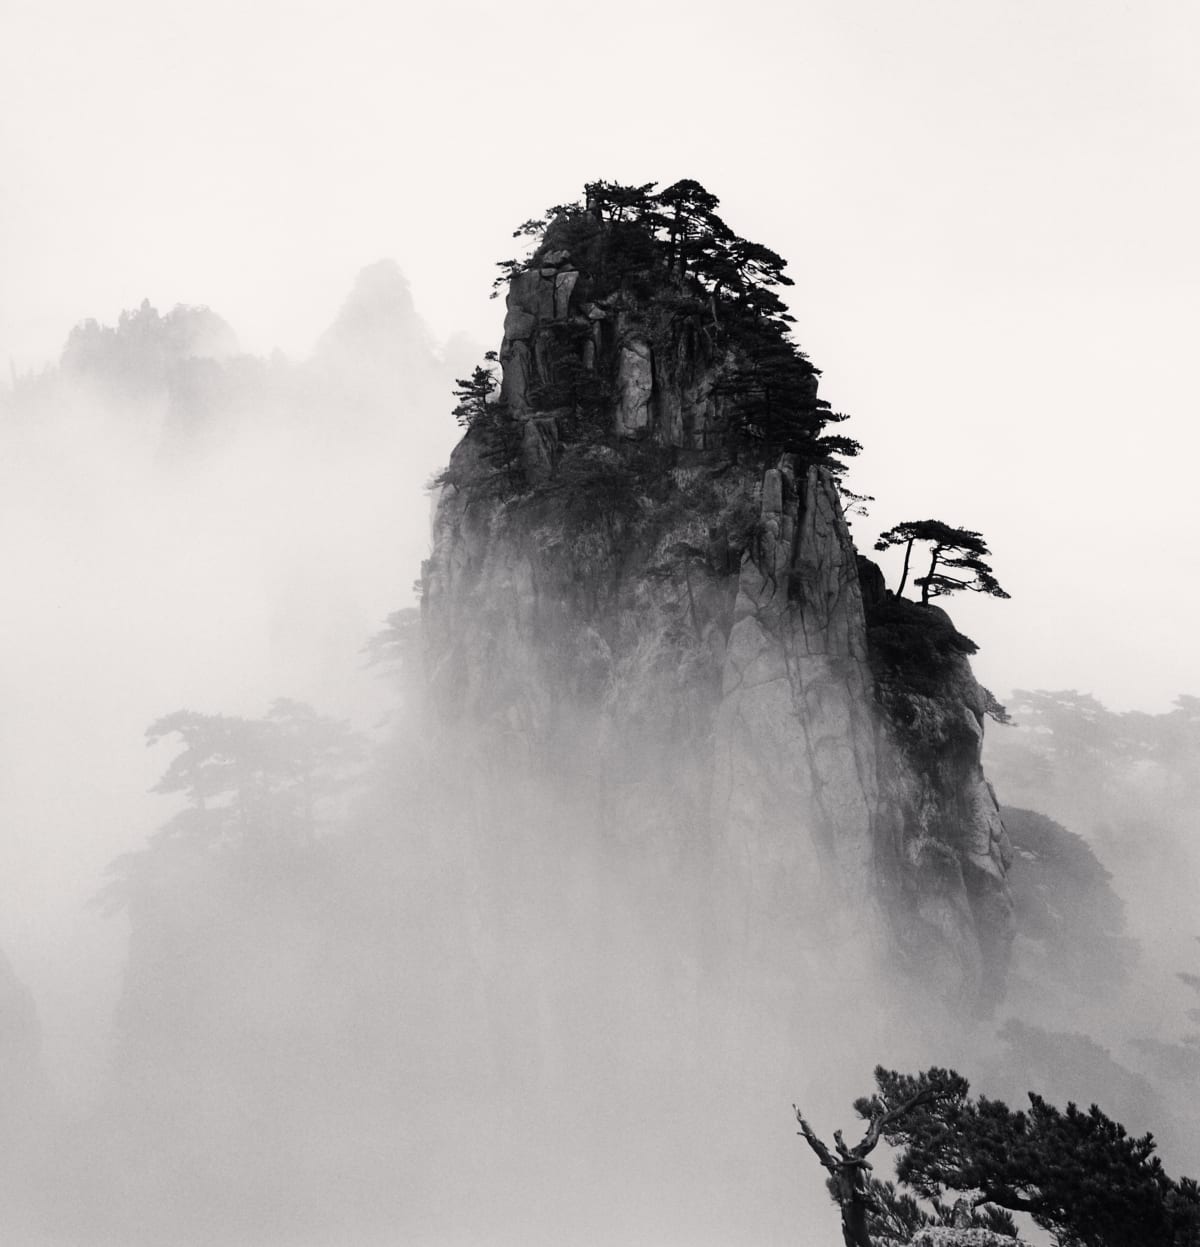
(674, 266)
(691, 222)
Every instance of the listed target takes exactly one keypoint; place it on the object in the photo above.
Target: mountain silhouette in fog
(181, 381)
(139, 353)
(378, 321)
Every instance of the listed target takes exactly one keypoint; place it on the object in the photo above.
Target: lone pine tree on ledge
(951, 547)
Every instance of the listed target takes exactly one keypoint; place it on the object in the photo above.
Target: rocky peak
(642, 580)
(657, 372)
(378, 332)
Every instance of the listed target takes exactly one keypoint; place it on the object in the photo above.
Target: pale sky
(989, 207)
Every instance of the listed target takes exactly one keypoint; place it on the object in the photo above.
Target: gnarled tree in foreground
(1079, 1175)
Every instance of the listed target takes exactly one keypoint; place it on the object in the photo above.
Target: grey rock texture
(695, 665)
(635, 381)
(794, 731)
(949, 1236)
(664, 368)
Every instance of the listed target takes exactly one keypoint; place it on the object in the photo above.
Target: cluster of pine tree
(1079, 1175)
(672, 251)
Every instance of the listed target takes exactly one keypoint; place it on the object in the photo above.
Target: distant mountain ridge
(182, 376)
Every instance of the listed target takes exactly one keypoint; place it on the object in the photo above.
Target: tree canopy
(959, 548)
(474, 393)
(1066, 905)
(1107, 769)
(1078, 1174)
(868, 1206)
(136, 356)
(262, 776)
(671, 247)
(245, 782)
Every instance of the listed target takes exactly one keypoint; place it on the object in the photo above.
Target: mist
(449, 996)
(451, 1003)
(213, 531)
(154, 567)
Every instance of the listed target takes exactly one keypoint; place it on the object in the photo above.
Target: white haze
(988, 209)
(140, 584)
(989, 212)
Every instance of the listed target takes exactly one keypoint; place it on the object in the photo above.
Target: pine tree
(959, 548)
(1078, 1174)
(474, 394)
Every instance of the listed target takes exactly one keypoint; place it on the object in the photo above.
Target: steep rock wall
(691, 657)
(794, 746)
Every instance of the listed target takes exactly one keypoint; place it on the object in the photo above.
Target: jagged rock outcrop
(952, 1236)
(661, 368)
(685, 638)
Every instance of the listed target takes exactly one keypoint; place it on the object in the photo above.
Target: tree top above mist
(246, 784)
(138, 352)
(665, 258)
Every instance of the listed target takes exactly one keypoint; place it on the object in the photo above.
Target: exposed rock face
(662, 368)
(635, 375)
(950, 1236)
(682, 639)
(794, 730)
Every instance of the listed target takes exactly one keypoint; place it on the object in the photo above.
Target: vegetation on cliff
(668, 266)
(1079, 1175)
(1067, 910)
(959, 548)
(250, 787)
(646, 337)
(470, 936)
(654, 474)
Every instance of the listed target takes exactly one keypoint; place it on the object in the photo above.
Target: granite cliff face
(675, 631)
